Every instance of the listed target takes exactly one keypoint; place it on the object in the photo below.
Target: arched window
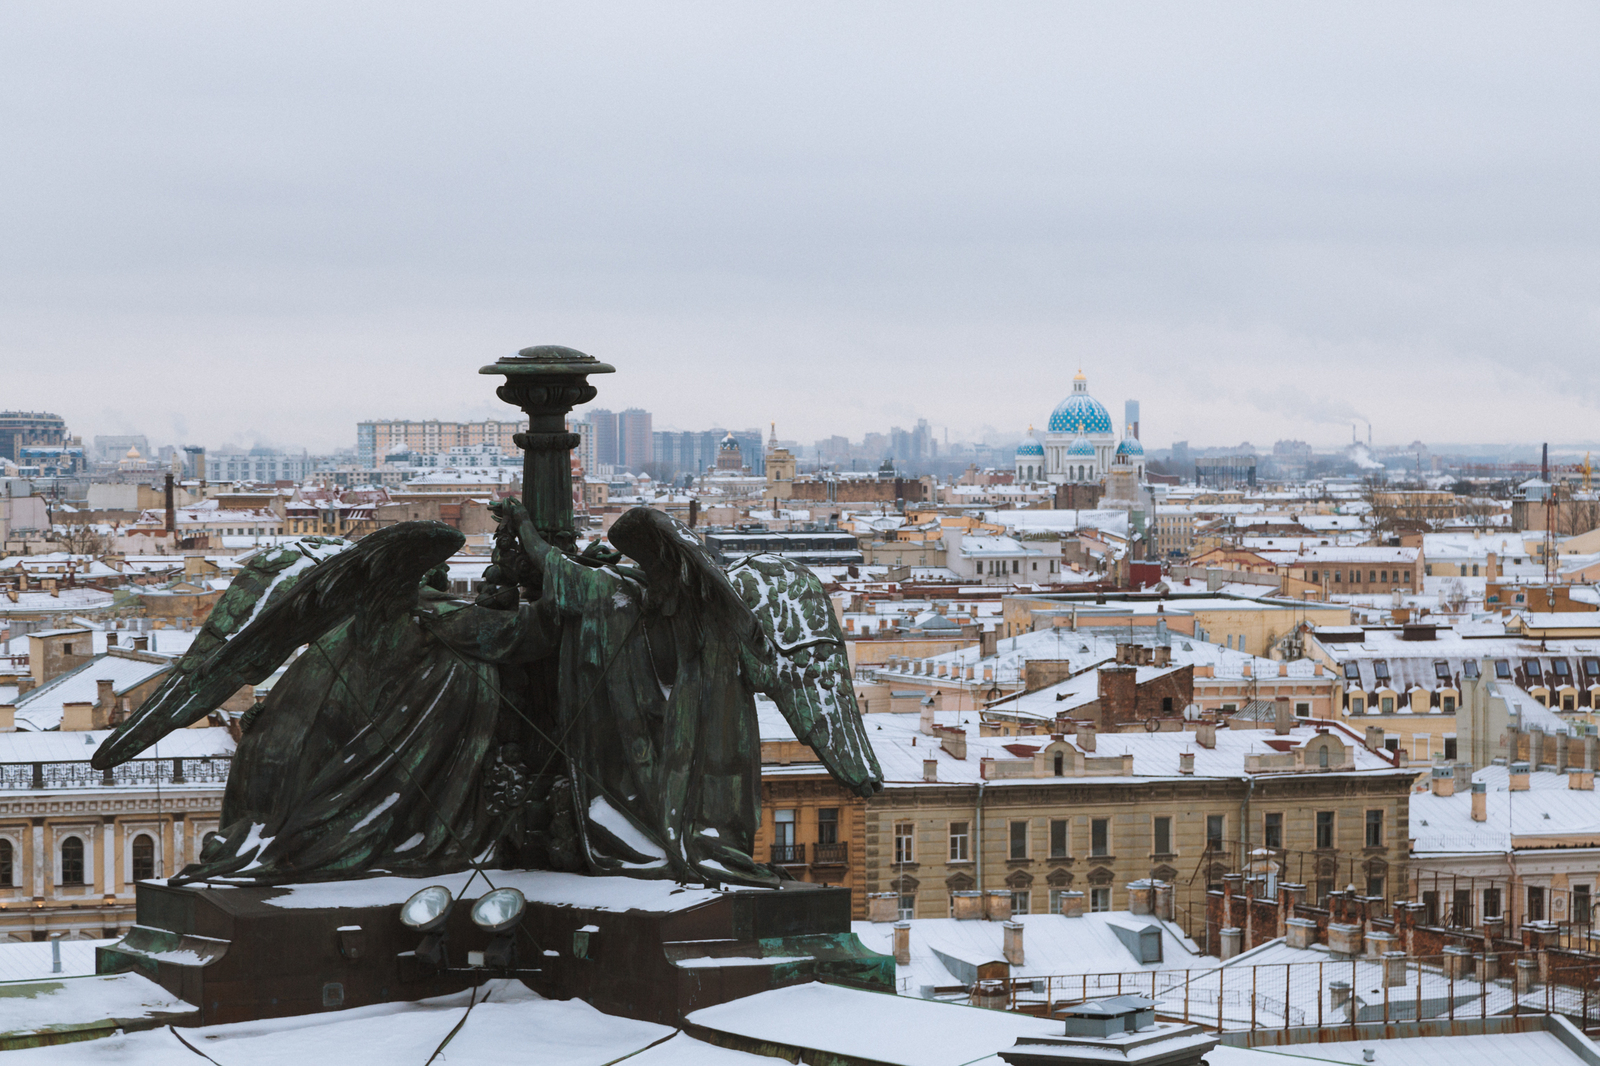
(72, 861)
(144, 857)
(7, 861)
(1322, 757)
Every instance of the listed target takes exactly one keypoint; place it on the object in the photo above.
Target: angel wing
(811, 677)
(285, 598)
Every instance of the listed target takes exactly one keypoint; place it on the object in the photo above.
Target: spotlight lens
(427, 909)
(499, 910)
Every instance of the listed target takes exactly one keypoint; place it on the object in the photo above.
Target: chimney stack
(1283, 720)
(1086, 737)
(1518, 779)
(1205, 735)
(1012, 943)
(1186, 762)
(1444, 781)
(930, 769)
(1480, 802)
(902, 943)
(8, 718)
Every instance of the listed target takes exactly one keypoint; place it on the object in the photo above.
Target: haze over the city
(260, 223)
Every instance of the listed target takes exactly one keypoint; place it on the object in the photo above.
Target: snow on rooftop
(508, 1024)
(1548, 810)
(540, 886)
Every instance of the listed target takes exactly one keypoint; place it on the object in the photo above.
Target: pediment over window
(1058, 878)
(961, 882)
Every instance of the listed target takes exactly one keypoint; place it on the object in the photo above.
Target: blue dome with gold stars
(1080, 413)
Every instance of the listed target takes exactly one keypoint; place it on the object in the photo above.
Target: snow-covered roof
(1052, 946)
(1548, 810)
(902, 748)
(74, 746)
(42, 708)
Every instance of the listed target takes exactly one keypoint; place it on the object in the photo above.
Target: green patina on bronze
(579, 715)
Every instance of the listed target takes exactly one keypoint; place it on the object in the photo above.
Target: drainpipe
(977, 838)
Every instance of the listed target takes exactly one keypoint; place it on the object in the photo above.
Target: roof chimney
(930, 769)
(902, 943)
(1518, 779)
(1012, 943)
(1086, 737)
(1480, 802)
(1444, 781)
(1186, 762)
(1283, 719)
(1205, 735)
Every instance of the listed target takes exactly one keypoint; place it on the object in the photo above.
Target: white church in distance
(1080, 445)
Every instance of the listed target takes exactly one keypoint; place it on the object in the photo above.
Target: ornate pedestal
(643, 949)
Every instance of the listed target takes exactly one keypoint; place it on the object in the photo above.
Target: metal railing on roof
(77, 773)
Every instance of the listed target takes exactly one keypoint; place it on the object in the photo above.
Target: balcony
(788, 854)
(830, 854)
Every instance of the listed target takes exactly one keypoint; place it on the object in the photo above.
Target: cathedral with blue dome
(1080, 445)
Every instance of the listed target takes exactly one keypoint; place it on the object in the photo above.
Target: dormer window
(1380, 670)
(1502, 669)
(1591, 667)
(1469, 668)
(1352, 672)
(1532, 669)
(1560, 668)
(1441, 670)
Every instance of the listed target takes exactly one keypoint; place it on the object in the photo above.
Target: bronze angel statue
(592, 712)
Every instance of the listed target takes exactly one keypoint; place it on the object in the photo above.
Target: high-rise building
(19, 429)
(377, 439)
(605, 437)
(636, 446)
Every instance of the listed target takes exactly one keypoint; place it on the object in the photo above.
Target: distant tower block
(1130, 414)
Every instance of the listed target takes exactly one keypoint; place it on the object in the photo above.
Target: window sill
(1019, 862)
(1102, 858)
(1061, 860)
(1164, 856)
(959, 862)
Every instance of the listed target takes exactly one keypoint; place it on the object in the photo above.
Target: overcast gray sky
(263, 222)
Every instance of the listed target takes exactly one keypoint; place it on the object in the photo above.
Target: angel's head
(678, 570)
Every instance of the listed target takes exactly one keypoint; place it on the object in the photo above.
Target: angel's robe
(659, 727)
(370, 752)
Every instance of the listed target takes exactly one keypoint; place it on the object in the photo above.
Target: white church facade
(1080, 444)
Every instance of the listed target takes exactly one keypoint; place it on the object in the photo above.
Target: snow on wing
(812, 672)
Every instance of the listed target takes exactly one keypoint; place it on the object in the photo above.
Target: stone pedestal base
(643, 949)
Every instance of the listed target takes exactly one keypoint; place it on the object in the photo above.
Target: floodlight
(499, 910)
(427, 909)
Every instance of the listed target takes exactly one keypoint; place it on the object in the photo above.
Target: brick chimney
(1086, 737)
(1186, 762)
(902, 943)
(930, 769)
(1283, 716)
(1443, 781)
(8, 718)
(1480, 802)
(1205, 735)
(1012, 943)
(1517, 781)
(105, 703)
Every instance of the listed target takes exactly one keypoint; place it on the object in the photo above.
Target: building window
(1272, 835)
(72, 861)
(1447, 704)
(1302, 710)
(1374, 829)
(1060, 764)
(1058, 838)
(1019, 840)
(1100, 899)
(1214, 823)
(1375, 886)
(1535, 903)
(907, 909)
(1099, 834)
(1324, 829)
(1358, 705)
(7, 863)
(1388, 705)
(1019, 903)
(1491, 904)
(1162, 825)
(144, 858)
(904, 834)
(828, 825)
(1450, 749)
(958, 842)
(783, 828)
